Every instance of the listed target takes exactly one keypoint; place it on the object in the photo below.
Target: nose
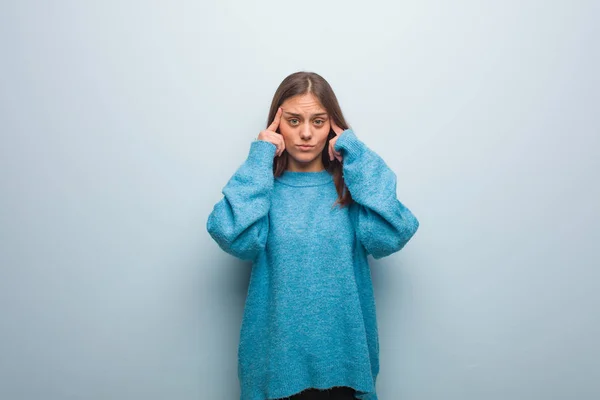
(305, 132)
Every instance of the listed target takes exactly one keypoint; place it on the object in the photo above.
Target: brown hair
(300, 83)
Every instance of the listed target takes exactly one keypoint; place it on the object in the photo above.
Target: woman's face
(304, 122)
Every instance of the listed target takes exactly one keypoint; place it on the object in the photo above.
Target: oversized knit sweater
(309, 319)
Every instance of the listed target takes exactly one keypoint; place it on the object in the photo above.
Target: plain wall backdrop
(121, 121)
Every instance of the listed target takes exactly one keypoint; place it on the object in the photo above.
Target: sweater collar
(300, 178)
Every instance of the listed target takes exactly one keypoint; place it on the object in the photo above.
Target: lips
(305, 147)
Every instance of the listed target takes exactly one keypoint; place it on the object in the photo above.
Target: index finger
(275, 124)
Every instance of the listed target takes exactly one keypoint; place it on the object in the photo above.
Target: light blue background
(121, 121)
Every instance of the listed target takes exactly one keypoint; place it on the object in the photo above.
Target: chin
(303, 158)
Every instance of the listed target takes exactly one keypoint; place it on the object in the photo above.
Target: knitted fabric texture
(309, 319)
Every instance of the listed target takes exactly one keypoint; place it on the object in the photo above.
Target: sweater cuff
(262, 152)
(348, 142)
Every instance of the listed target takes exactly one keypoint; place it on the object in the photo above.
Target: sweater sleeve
(383, 224)
(239, 221)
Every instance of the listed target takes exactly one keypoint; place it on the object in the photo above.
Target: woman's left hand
(332, 152)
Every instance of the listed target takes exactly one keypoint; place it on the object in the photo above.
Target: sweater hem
(288, 382)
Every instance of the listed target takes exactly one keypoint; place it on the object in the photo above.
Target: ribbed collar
(300, 178)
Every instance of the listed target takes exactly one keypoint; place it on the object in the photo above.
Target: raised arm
(239, 223)
(383, 224)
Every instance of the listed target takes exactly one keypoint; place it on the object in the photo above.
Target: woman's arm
(239, 222)
(383, 224)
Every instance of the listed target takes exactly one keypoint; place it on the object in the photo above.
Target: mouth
(305, 147)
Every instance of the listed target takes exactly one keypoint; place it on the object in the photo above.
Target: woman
(307, 206)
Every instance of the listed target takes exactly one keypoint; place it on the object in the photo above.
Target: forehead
(303, 104)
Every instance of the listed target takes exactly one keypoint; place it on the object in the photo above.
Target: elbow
(244, 244)
(409, 228)
(219, 233)
(237, 247)
(215, 229)
(396, 241)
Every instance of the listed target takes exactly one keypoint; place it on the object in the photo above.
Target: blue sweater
(309, 318)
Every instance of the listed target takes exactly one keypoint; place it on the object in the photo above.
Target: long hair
(300, 83)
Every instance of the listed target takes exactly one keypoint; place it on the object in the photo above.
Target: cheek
(323, 139)
(325, 131)
(287, 134)
(289, 137)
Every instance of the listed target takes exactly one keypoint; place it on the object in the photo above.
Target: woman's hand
(332, 151)
(269, 134)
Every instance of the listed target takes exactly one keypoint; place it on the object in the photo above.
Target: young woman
(307, 207)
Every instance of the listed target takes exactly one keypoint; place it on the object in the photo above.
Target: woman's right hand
(270, 135)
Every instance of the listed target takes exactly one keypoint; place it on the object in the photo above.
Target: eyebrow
(299, 115)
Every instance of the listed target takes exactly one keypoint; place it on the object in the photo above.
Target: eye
(294, 121)
(319, 121)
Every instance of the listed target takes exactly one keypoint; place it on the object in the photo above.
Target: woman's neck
(314, 166)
